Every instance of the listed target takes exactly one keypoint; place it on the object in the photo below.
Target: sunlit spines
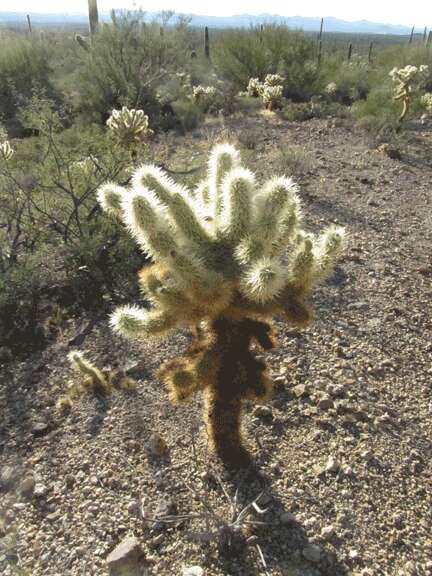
(264, 280)
(133, 322)
(223, 159)
(110, 196)
(270, 207)
(238, 190)
(327, 249)
(148, 225)
(149, 178)
(301, 265)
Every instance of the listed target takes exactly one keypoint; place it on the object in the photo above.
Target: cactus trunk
(93, 16)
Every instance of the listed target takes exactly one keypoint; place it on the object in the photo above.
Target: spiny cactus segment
(204, 95)
(271, 90)
(407, 81)
(228, 256)
(426, 101)
(6, 151)
(331, 88)
(129, 126)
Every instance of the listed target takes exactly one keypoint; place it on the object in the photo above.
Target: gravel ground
(342, 450)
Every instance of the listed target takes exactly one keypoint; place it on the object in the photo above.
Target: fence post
(29, 23)
(425, 35)
(349, 51)
(370, 52)
(93, 16)
(411, 36)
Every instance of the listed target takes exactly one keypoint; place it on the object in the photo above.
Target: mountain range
(240, 21)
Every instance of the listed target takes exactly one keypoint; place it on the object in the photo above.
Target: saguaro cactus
(407, 81)
(93, 16)
(228, 256)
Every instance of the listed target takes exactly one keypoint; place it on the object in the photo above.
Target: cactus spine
(407, 80)
(227, 258)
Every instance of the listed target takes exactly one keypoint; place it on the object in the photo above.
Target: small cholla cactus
(129, 127)
(228, 256)
(204, 94)
(273, 80)
(407, 81)
(331, 88)
(272, 97)
(254, 88)
(426, 101)
(6, 151)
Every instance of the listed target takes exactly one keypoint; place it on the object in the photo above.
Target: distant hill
(241, 21)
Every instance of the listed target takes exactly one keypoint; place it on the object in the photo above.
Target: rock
(8, 476)
(134, 508)
(127, 559)
(27, 487)
(390, 151)
(332, 465)
(312, 552)
(262, 412)
(70, 481)
(327, 532)
(287, 518)
(325, 403)
(40, 490)
(40, 428)
(5, 354)
(156, 445)
(299, 390)
(193, 571)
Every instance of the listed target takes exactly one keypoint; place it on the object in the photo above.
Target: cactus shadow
(281, 538)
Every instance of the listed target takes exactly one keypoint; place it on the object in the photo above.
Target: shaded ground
(365, 365)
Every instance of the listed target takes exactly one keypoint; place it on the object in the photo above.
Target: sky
(414, 12)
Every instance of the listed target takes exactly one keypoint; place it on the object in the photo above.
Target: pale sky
(414, 12)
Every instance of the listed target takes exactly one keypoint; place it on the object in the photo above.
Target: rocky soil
(343, 478)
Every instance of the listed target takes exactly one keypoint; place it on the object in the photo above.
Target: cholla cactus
(426, 101)
(228, 256)
(204, 95)
(407, 80)
(273, 80)
(129, 127)
(6, 151)
(254, 88)
(272, 97)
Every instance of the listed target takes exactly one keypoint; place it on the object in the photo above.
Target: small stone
(70, 481)
(156, 445)
(312, 552)
(325, 403)
(332, 465)
(347, 470)
(193, 571)
(299, 390)
(40, 429)
(40, 490)
(287, 518)
(134, 508)
(127, 558)
(5, 354)
(353, 554)
(27, 487)
(262, 412)
(327, 532)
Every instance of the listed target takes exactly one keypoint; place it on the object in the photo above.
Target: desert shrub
(188, 113)
(127, 61)
(24, 66)
(378, 112)
(343, 81)
(296, 111)
(243, 54)
(294, 160)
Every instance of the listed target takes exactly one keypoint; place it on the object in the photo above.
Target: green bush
(243, 54)
(126, 63)
(378, 112)
(24, 66)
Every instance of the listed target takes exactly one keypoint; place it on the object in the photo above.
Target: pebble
(193, 571)
(261, 411)
(126, 558)
(156, 445)
(332, 465)
(299, 390)
(27, 487)
(327, 532)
